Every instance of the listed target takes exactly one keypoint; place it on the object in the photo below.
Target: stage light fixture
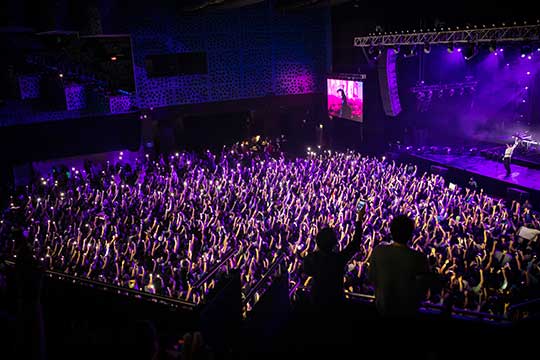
(427, 48)
(411, 51)
(379, 51)
(450, 48)
(470, 51)
(525, 50)
(492, 46)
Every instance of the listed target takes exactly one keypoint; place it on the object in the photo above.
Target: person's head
(326, 239)
(402, 228)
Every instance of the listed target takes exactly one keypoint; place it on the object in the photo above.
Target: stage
(489, 174)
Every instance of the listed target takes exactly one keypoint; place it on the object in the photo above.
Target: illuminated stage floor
(521, 177)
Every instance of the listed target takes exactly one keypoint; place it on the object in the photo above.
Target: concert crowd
(160, 224)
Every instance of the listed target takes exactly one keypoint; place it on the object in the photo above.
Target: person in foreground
(398, 273)
(327, 267)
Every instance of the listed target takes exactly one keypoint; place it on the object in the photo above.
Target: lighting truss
(498, 34)
(467, 84)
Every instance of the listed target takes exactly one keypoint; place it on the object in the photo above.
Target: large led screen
(345, 99)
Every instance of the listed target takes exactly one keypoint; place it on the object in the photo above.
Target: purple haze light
(495, 53)
(522, 56)
(529, 57)
(459, 49)
(526, 88)
(528, 73)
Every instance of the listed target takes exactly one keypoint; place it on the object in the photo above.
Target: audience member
(327, 267)
(396, 270)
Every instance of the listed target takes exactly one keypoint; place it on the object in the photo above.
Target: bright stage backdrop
(345, 99)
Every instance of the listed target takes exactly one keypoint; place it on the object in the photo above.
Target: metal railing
(525, 306)
(55, 275)
(430, 306)
(216, 268)
(251, 293)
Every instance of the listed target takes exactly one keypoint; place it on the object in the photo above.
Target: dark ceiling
(199, 5)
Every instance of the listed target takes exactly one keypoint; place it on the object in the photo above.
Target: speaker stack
(386, 68)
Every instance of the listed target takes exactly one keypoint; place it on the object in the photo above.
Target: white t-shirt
(508, 152)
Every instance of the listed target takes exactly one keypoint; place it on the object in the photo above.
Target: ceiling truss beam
(498, 34)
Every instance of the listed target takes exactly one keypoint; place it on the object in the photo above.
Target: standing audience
(158, 225)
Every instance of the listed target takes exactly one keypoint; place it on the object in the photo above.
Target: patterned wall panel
(294, 79)
(253, 57)
(251, 52)
(119, 104)
(29, 86)
(75, 97)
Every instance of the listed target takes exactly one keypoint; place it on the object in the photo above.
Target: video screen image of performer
(345, 99)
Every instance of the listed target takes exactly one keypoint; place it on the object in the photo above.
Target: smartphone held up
(361, 205)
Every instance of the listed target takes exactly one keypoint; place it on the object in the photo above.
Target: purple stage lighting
(459, 49)
(529, 57)
(522, 56)
(528, 73)
(470, 51)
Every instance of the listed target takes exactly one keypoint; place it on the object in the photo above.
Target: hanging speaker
(386, 68)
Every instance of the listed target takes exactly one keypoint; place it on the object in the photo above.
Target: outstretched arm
(354, 246)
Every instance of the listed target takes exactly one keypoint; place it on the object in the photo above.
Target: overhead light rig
(515, 33)
(469, 84)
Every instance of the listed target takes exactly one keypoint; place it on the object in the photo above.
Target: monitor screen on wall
(176, 64)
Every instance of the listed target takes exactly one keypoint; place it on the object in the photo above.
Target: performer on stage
(508, 156)
(345, 110)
